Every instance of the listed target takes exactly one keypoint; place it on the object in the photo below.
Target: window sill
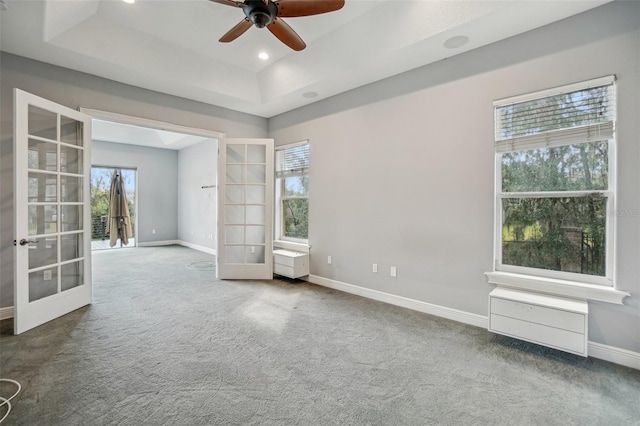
(289, 245)
(556, 287)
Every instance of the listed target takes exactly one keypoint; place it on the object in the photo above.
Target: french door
(245, 209)
(52, 162)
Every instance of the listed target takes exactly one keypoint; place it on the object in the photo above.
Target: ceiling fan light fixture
(260, 19)
(267, 13)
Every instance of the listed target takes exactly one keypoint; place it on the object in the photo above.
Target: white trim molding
(198, 247)
(6, 312)
(615, 355)
(154, 124)
(290, 245)
(416, 305)
(557, 287)
(178, 243)
(158, 243)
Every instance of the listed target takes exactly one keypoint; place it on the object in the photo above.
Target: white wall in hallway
(197, 194)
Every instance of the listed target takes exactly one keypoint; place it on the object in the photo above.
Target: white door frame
(153, 124)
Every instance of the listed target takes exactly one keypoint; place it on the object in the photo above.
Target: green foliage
(555, 233)
(296, 218)
(295, 207)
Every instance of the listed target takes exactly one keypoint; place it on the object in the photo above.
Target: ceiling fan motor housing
(259, 12)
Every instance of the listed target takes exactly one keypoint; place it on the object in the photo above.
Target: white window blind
(292, 160)
(583, 112)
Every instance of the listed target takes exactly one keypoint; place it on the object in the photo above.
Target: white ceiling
(110, 131)
(171, 46)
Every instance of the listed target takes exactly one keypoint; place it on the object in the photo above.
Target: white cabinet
(291, 264)
(552, 321)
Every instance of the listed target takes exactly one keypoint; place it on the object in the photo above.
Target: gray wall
(402, 170)
(75, 89)
(198, 167)
(157, 179)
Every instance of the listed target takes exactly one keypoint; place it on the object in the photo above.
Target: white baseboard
(179, 243)
(416, 305)
(596, 350)
(198, 247)
(158, 243)
(6, 312)
(615, 355)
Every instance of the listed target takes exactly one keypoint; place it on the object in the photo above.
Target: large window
(292, 192)
(555, 182)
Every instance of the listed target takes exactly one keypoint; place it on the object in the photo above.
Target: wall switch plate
(252, 250)
(329, 260)
(47, 275)
(394, 271)
(375, 268)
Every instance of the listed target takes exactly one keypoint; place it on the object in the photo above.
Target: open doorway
(101, 178)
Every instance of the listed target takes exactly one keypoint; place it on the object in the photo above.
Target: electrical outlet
(375, 268)
(252, 250)
(47, 275)
(394, 271)
(329, 260)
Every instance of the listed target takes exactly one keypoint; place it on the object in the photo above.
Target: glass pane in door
(255, 254)
(43, 187)
(71, 246)
(42, 155)
(72, 275)
(43, 251)
(70, 189)
(43, 283)
(42, 219)
(70, 160)
(70, 131)
(43, 123)
(71, 218)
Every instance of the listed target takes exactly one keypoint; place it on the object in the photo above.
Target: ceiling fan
(268, 13)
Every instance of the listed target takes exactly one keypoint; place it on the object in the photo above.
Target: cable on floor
(5, 401)
(202, 266)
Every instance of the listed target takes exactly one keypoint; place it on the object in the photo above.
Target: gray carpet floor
(164, 344)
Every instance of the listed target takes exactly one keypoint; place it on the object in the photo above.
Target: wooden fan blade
(229, 2)
(285, 34)
(236, 31)
(295, 8)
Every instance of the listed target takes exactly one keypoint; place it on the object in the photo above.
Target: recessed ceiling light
(129, 1)
(263, 55)
(455, 42)
(310, 95)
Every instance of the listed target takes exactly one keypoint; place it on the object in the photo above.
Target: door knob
(24, 241)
